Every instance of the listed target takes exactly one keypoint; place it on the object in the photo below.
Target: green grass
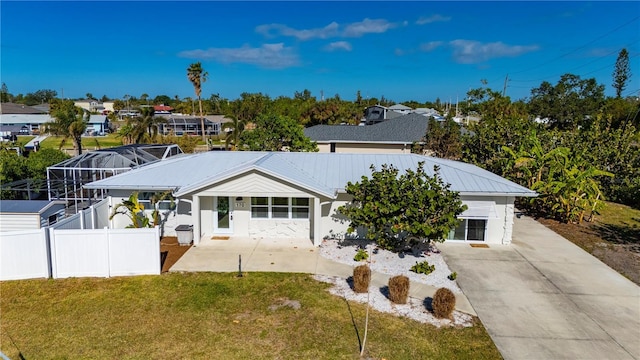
(212, 316)
(88, 142)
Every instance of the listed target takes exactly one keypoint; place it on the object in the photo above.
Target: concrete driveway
(545, 298)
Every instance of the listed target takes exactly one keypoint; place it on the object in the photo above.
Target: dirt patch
(621, 254)
(170, 252)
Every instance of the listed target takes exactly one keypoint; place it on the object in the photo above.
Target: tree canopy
(276, 133)
(70, 122)
(394, 207)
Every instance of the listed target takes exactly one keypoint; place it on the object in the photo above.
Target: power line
(579, 48)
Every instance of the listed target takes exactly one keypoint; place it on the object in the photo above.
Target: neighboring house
(162, 109)
(378, 113)
(393, 136)
(189, 125)
(296, 195)
(399, 108)
(17, 215)
(91, 105)
(97, 125)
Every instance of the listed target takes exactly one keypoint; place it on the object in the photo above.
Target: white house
(296, 195)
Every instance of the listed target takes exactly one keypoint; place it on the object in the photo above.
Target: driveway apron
(545, 298)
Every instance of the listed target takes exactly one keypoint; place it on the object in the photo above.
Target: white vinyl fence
(24, 255)
(94, 217)
(61, 253)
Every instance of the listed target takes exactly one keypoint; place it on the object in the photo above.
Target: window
(144, 198)
(469, 230)
(259, 208)
(279, 208)
(300, 208)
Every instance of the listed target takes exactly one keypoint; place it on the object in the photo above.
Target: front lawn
(614, 238)
(212, 316)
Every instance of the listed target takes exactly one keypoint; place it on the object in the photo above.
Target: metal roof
(405, 129)
(26, 206)
(321, 173)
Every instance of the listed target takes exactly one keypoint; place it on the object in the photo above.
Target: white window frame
(465, 221)
(270, 206)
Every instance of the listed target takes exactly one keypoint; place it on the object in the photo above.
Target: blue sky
(400, 50)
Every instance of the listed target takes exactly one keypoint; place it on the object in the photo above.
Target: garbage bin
(185, 234)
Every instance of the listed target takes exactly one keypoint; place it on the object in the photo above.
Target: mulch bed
(170, 252)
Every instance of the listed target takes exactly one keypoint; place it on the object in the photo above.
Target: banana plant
(134, 210)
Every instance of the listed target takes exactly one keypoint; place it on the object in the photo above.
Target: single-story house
(17, 215)
(399, 108)
(392, 136)
(97, 124)
(296, 195)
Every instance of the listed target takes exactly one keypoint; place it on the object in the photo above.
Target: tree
(198, 76)
(38, 161)
(569, 104)
(621, 72)
(234, 130)
(4, 94)
(394, 207)
(276, 133)
(89, 96)
(70, 122)
(444, 139)
(144, 127)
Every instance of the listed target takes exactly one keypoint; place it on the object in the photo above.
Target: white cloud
(431, 19)
(273, 56)
(432, 45)
(339, 45)
(330, 30)
(472, 52)
(356, 29)
(367, 26)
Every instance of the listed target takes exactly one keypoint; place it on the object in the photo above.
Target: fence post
(93, 217)
(47, 244)
(106, 230)
(51, 239)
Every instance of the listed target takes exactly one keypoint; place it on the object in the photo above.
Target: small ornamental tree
(393, 207)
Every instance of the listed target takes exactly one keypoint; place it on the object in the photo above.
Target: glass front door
(223, 215)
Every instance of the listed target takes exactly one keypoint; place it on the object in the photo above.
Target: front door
(222, 215)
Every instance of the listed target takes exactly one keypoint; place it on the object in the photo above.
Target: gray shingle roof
(323, 173)
(405, 129)
(11, 108)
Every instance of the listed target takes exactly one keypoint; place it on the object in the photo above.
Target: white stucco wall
(271, 228)
(498, 230)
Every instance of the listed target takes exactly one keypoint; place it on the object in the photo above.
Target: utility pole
(504, 89)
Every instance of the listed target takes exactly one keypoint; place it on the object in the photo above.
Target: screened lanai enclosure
(65, 180)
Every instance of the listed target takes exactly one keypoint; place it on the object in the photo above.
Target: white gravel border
(392, 264)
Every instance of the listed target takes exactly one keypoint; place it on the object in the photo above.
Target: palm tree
(234, 130)
(70, 122)
(145, 126)
(198, 76)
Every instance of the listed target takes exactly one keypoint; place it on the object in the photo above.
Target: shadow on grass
(618, 234)
(355, 326)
